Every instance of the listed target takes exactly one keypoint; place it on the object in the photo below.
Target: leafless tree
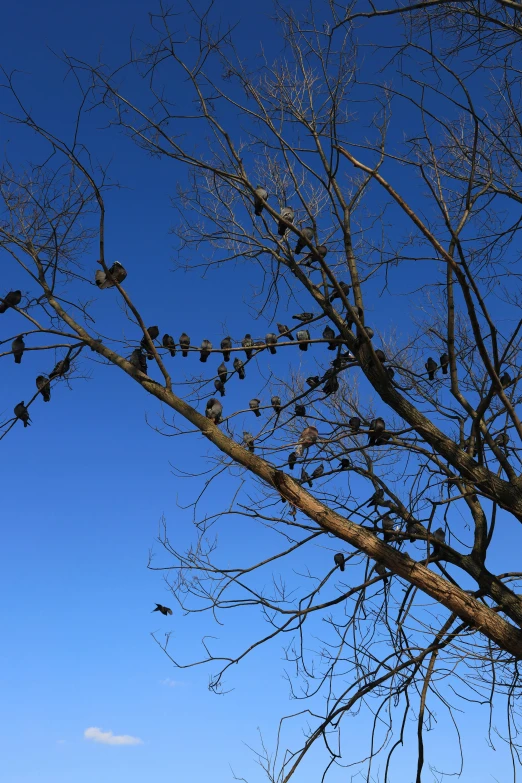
(394, 135)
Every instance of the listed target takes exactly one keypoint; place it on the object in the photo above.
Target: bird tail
(172, 351)
(100, 279)
(341, 566)
(203, 357)
(3, 307)
(183, 353)
(272, 350)
(257, 412)
(259, 209)
(241, 375)
(332, 346)
(445, 370)
(303, 346)
(226, 356)
(46, 395)
(281, 229)
(18, 359)
(298, 248)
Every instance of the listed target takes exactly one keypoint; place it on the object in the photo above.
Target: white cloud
(108, 738)
(173, 683)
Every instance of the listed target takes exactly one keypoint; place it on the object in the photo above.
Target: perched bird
(339, 561)
(305, 478)
(390, 372)
(276, 404)
(21, 412)
(292, 459)
(247, 344)
(259, 343)
(329, 334)
(360, 315)
(377, 427)
(254, 406)
(505, 379)
(313, 381)
(222, 372)
(440, 537)
(184, 344)
(300, 410)
(303, 336)
(283, 329)
(414, 529)
(355, 424)
(18, 348)
(204, 351)
(308, 233)
(226, 345)
(380, 570)
(431, 368)
(502, 439)
(60, 368)
(331, 385)
(138, 360)
(153, 333)
(12, 299)
(219, 386)
(260, 195)
(168, 343)
(303, 317)
(388, 527)
(345, 288)
(376, 498)
(44, 387)
(380, 355)
(307, 438)
(444, 361)
(163, 609)
(345, 464)
(213, 410)
(287, 213)
(239, 367)
(115, 274)
(317, 472)
(248, 440)
(271, 340)
(467, 443)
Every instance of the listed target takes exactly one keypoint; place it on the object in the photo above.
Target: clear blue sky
(84, 489)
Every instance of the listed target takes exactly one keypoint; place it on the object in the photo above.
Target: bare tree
(372, 173)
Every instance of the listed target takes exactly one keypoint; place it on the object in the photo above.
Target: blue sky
(85, 488)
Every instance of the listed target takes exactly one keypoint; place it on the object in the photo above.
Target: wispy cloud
(108, 738)
(173, 683)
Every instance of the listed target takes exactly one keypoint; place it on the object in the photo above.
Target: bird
(388, 527)
(226, 345)
(44, 387)
(502, 439)
(355, 424)
(360, 315)
(300, 410)
(248, 440)
(18, 348)
(138, 360)
(376, 498)
(163, 609)
(317, 472)
(247, 344)
(331, 385)
(219, 386)
(260, 195)
(292, 459)
(271, 340)
(303, 336)
(505, 379)
(276, 404)
(313, 381)
(184, 344)
(390, 372)
(345, 288)
(115, 274)
(287, 213)
(339, 560)
(153, 333)
(21, 412)
(467, 444)
(440, 536)
(239, 367)
(60, 368)
(254, 406)
(308, 234)
(307, 438)
(377, 427)
(431, 368)
(222, 372)
(283, 329)
(168, 342)
(329, 334)
(380, 570)
(213, 410)
(345, 464)
(380, 355)
(305, 478)
(12, 299)
(444, 361)
(204, 351)
(414, 529)
(304, 317)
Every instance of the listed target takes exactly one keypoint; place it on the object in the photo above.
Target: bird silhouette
(303, 336)
(239, 367)
(219, 386)
(260, 195)
(313, 381)
(305, 478)
(18, 348)
(345, 288)
(138, 360)
(271, 340)
(168, 343)
(303, 317)
(502, 439)
(283, 329)
(153, 333)
(12, 299)
(345, 464)
(292, 459)
(21, 412)
(377, 427)
(184, 344)
(380, 355)
(505, 379)
(390, 372)
(276, 404)
(376, 498)
(440, 537)
(308, 234)
(226, 345)
(60, 368)
(307, 438)
(317, 472)
(214, 410)
(331, 385)
(444, 361)
(248, 440)
(355, 424)
(287, 213)
(44, 387)
(254, 406)
(247, 344)
(300, 410)
(222, 372)
(204, 351)
(339, 561)
(163, 609)
(115, 274)
(431, 368)
(360, 315)
(388, 527)
(329, 334)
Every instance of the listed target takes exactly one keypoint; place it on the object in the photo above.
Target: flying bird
(219, 386)
(248, 440)
(254, 406)
(260, 195)
(303, 336)
(339, 561)
(292, 459)
(163, 609)
(287, 213)
(247, 344)
(18, 348)
(377, 427)
(222, 372)
(12, 299)
(226, 345)
(213, 410)
(153, 333)
(303, 317)
(60, 368)
(184, 344)
(300, 410)
(355, 424)
(329, 334)
(276, 404)
(444, 361)
(138, 360)
(21, 412)
(168, 343)
(44, 387)
(204, 351)
(116, 274)
(431, 368)
(307, 438)
(239, 367)
(308, 234)
(283, 329)
(271, 340)
(345, 288)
